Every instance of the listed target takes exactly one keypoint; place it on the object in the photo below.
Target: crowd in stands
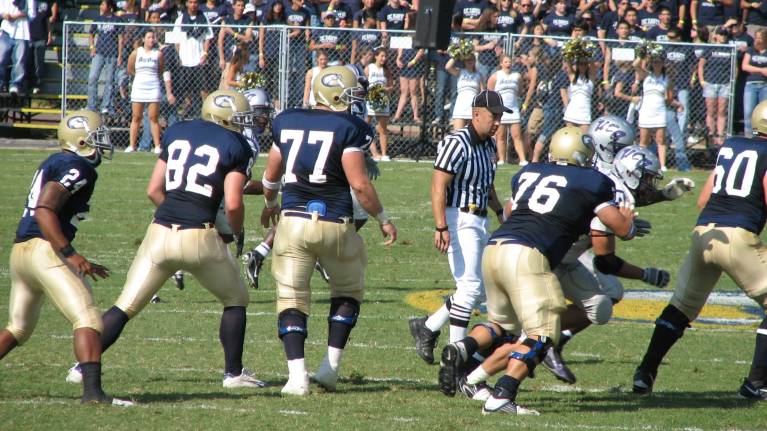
(212, 57)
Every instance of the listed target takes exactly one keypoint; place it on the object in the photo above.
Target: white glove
(677, 187)
(656, 277)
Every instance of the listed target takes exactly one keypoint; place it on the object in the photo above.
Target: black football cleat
(554, 363)
(479, 392)
(750, 391)
(643, 382)
(253, 261)
(178, 278)
(156, 300)
(323, 273)
(450, 367)
(425, 339)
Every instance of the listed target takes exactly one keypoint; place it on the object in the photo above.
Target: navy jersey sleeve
(242, 157)
(74, 174)
(605, 194)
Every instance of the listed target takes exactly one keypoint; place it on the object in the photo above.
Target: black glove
(239, 240)
(656, 277)
(372, 167)
(642, 227)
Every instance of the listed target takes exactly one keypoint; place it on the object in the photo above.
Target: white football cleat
(298, 386)
(506, 406)
(246, 379)
(326, 377)
(75, 374)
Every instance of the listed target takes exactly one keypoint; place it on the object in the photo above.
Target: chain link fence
(420, 93)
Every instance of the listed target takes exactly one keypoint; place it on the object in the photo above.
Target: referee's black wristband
(67, 250)
(441, 229)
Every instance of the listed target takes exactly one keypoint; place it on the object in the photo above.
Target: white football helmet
(638, 168)
(609, 134)
(261, 108)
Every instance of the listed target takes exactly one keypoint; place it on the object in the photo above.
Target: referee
(461, 192)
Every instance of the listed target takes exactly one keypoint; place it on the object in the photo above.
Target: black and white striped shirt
(471, 161)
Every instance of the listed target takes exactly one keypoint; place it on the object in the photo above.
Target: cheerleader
(508, 84)
(322, 62)
(233, 71)
(469, 85)
(378, 75)
(656, 93)
(582, 77)
(146, 65)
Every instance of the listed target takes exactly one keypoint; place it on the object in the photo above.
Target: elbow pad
(608, 264)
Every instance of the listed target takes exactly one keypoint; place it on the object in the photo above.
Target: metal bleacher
(37, 115)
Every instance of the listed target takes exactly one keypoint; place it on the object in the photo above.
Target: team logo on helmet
(224, 101)
(78, 122)
(332, 80)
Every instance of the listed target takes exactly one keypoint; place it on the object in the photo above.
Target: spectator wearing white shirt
(14, 41)
(193, 53)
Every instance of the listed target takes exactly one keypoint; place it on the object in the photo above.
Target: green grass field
(170, 362)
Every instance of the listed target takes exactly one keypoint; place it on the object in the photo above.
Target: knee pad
(673, 320)
(536, 354)
(292, 321)
(344, 310)
(599, 309)
(489, 327)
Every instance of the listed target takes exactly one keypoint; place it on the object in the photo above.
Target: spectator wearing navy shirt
(680, 11)
(368, 8)
(297, 16)
(40, 37)
(659, 33)
(559, 22)
(528, 15)
(269, 45)
(714, 77)
(392, 16)
(507, 17)
(342, 11)
(649, 16)
(490, 44)
(370, 39)
(106, 45)
(470, 12)
(193, 54)
(682, 62)
(756, 18)
(216, 14)
(755, 65)
(709, 13)
(609, 23)
(635, 31)
(330, 40)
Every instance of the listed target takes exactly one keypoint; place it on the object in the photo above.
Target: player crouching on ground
(319, 152)
(43, 260)
(553, 204)
(725, 239)
(202, 162)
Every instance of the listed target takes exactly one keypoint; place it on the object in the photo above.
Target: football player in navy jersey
(319, 152)
(553, 204)
(202, 162)
(43, 260)
(725, 239)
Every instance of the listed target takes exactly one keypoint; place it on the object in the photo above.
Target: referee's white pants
(468, 236)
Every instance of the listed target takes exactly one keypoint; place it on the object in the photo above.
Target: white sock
(296, 369)
(263, 249)
(334, 357)
(567, 333)
(457, 333)
(437, 320)
(479, 375)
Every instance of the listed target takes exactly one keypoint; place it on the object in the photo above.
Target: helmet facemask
(100, 140)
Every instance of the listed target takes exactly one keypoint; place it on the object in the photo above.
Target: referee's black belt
(177, 226)
(476, 211)
(310, 216)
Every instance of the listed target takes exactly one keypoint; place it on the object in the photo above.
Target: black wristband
(441, 229)
(67, 250)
